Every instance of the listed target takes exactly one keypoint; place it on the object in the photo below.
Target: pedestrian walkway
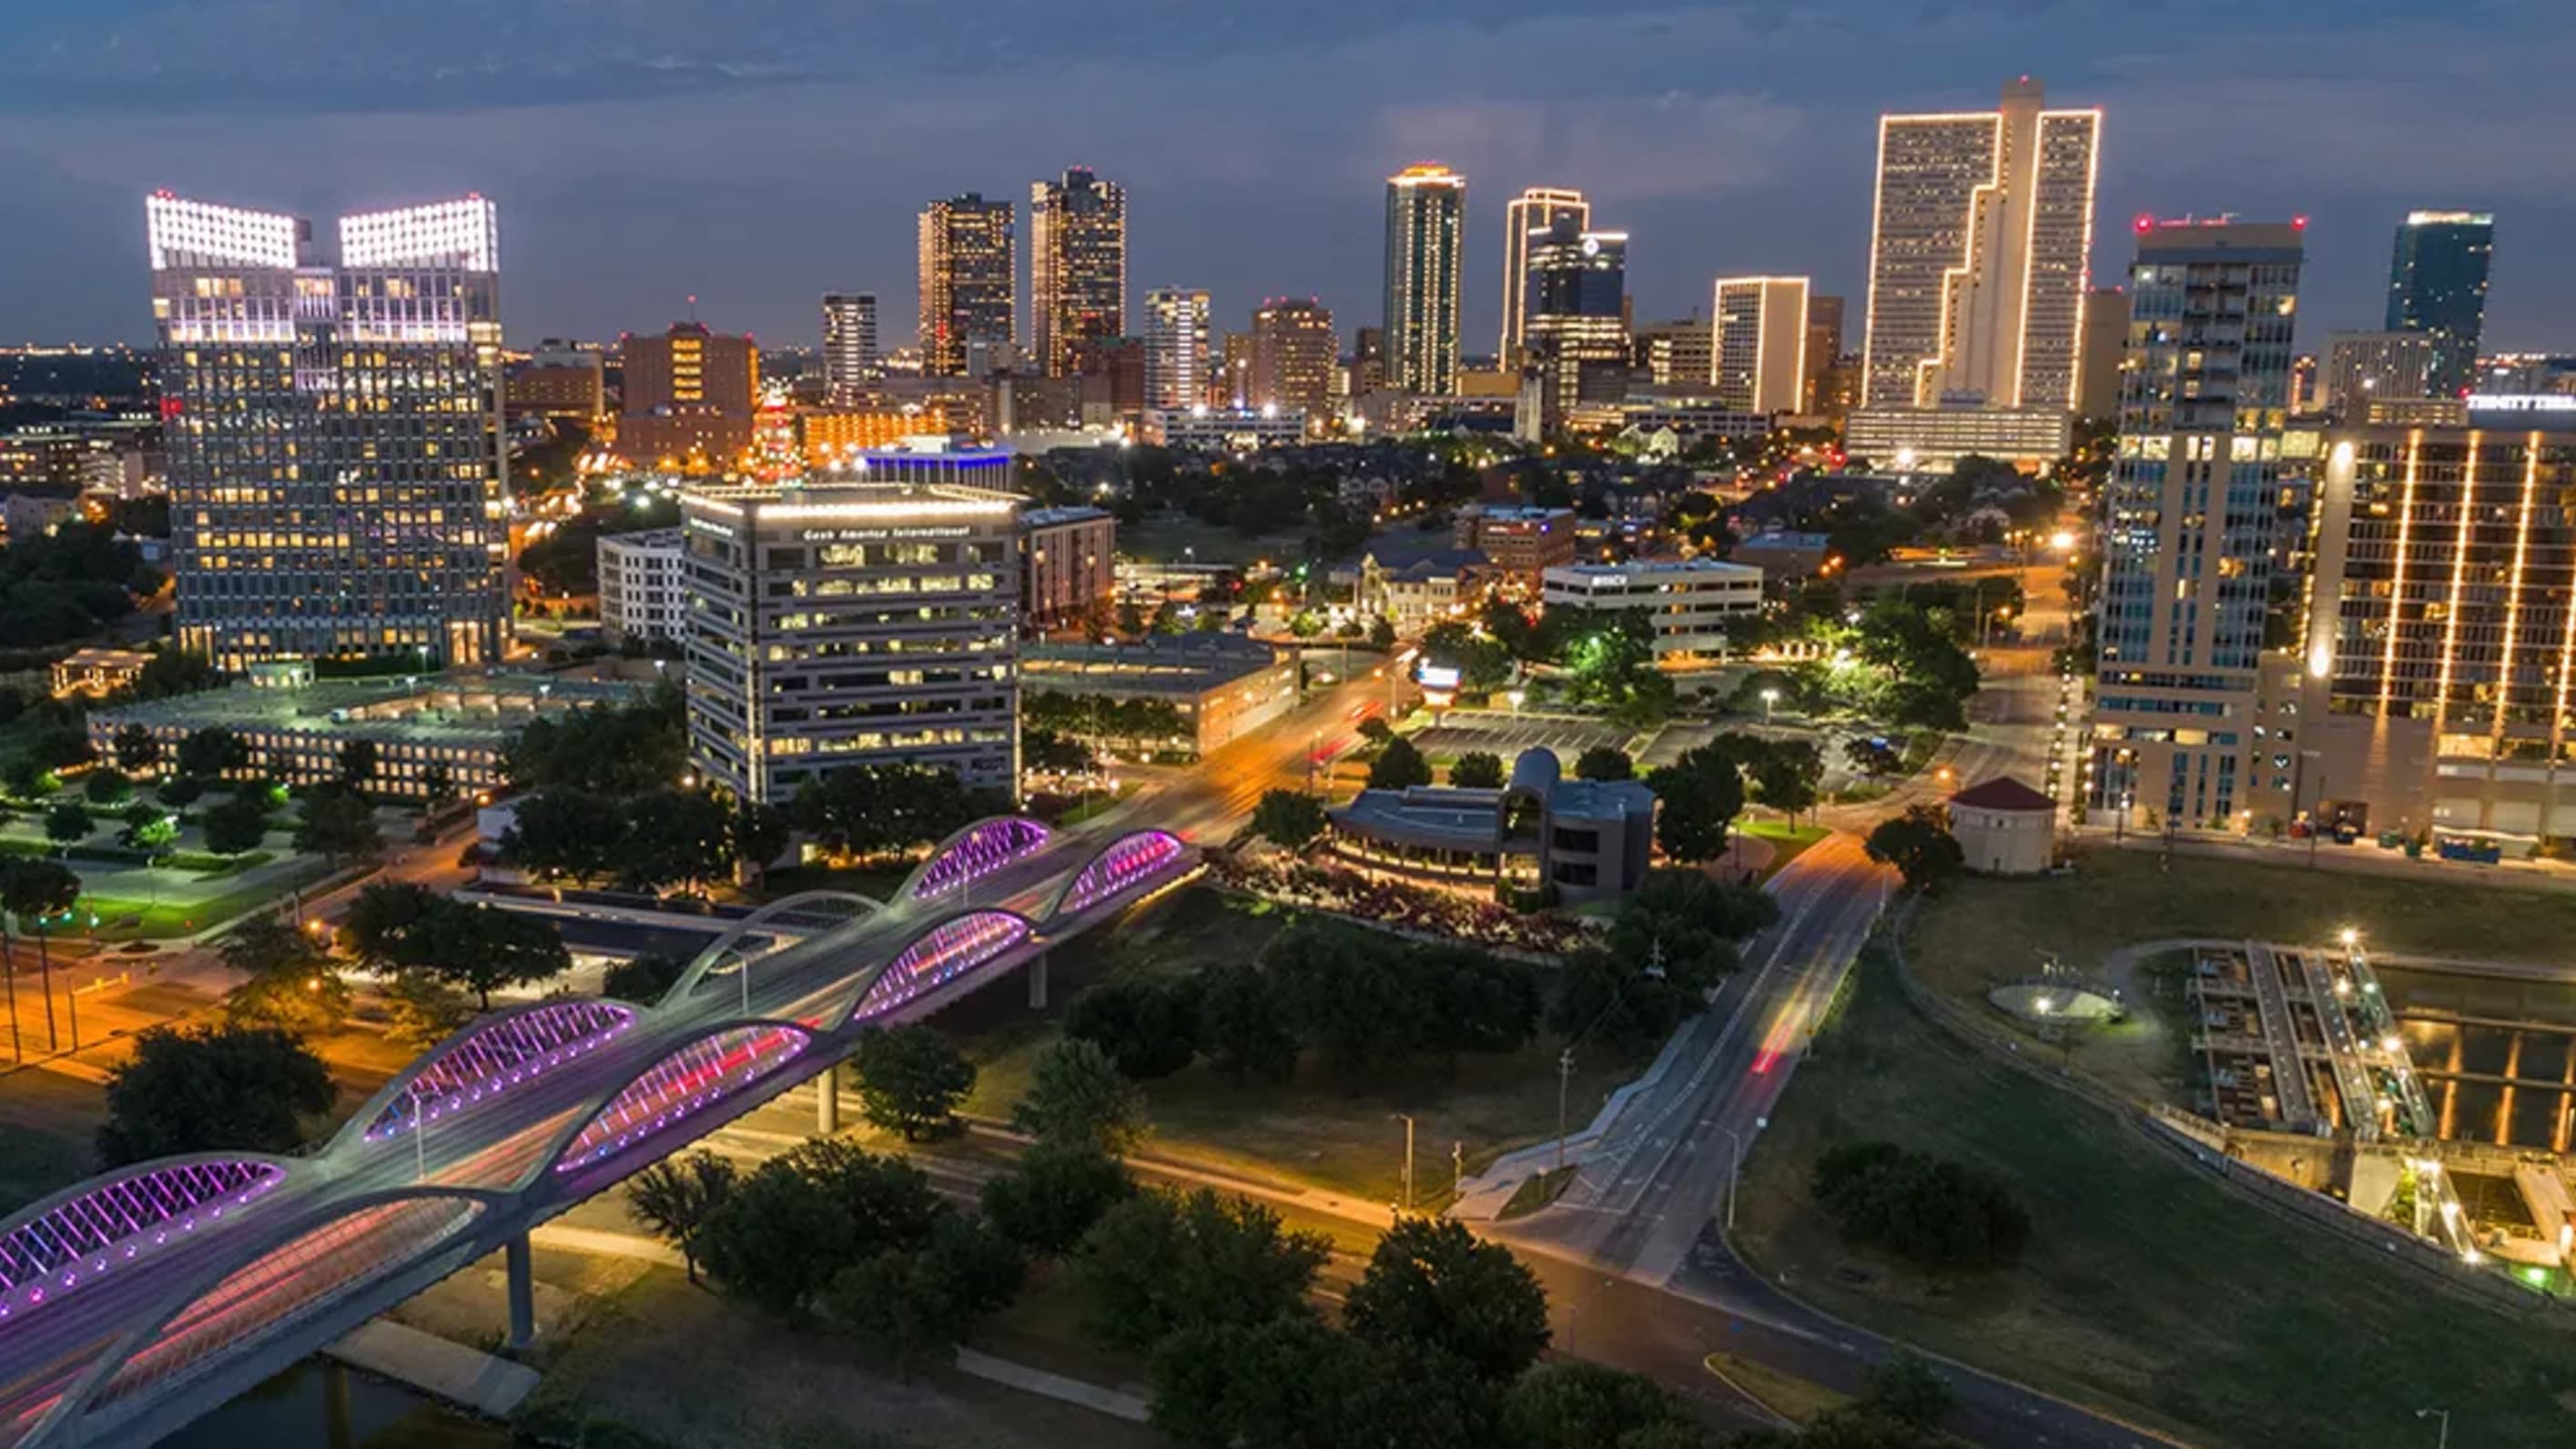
(459, 1375)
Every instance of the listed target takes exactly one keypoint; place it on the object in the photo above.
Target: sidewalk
(443, 1370)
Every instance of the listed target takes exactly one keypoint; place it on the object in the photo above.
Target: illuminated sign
(2523, 402)
(878, 535)
(1438, 676)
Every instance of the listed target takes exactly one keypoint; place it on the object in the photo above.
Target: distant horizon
(760, 159)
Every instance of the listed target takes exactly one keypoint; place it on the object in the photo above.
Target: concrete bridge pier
(523, 1301)
(1037, 971)
(827, 1100)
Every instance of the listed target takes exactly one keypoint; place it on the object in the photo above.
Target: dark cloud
(757, 152)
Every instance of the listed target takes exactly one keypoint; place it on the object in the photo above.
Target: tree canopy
(210, 1088)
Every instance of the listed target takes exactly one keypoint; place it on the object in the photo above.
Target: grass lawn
(1982, 932)
(189, 905)
(1319, 1129)
(34, 1163)
(1786, 840)
(2147, 1288)
(1784, 1394)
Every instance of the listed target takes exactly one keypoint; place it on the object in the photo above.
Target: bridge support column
(336, 1432)
(827, 1100)
(523, 1298)
(1037, 973)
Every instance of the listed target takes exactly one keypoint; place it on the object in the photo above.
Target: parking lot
(1460, 731)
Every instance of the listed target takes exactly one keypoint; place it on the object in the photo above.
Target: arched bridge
(135, 1301)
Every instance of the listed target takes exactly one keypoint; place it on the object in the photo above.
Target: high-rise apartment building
(2366, 367)
(1077, 266)
(2191, 506)
(1176, 347)
(1824, 346)
(1368, 360)
(2106, 337)
(692, 369)
(1979, 254)
(968, 280)
(334, 433)
(2437, 284)
(1293, 352)
(1426, 212)
(849, 342)
(1575, 317)
(1534, 210)
(838, 623)
(1759, 345)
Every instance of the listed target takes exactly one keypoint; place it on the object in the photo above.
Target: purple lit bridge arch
(193, 1278)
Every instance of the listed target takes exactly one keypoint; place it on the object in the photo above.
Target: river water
(319, 1405)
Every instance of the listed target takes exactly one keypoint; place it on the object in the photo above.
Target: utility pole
(1407, 1119)
(1564, 1075)
(1457, 1170)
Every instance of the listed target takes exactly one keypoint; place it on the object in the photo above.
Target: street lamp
(2444, 1439)
(1770, 697)
(1407, 1119)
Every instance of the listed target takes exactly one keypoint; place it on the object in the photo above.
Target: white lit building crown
(465, 232)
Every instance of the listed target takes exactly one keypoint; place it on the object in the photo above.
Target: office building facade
(1068, 564)
(2106, 337)
(559, 379)
(1294, 350)
(1176, 347)
(1534, 210)
(1426, 214)
(1688, 603)
(2191, 508)
(2437, 285)
(2362, 368)
(1759, 343)
(1979, 254)
(1077, 266)
(969, 279)
(641, 596)
(849, 342)
(1824, 347)
(1678, 353)
(334, 433)
(1576, 318)
(866, 623)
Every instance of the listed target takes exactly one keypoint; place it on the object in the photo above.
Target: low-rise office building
(1521, 543)
(1220, 687)
(1689, 602)
(1540, 835)
(296, 727)
(1068, 563)
(1935, 439)
(97, 672)
(1414, 588)
(640, 592)
(1226, 430)
(835, 624)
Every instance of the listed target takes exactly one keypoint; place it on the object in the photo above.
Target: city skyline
(1251, 205)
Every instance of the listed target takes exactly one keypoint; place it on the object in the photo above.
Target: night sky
(760, 152)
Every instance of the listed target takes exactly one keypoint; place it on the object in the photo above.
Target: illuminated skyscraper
(1575, 316)
(1077, 267)
(849, 340)
(1979, 255)
(968, 280)
(1534, 210)
(2437, 284)
(1426, 209)
(1759, 361)
(1176, 348)
(1293, 352)
(2190, 512)
(337, 485)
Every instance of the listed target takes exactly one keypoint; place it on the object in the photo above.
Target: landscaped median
(2146, 1289)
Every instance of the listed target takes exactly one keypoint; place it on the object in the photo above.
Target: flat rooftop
(462, 710)
(1176, 664)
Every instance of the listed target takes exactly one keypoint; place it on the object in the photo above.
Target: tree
(1381, 632)
(1786, 774)
(1933, 1211)
(137, 749)
(670, 837)
(336, 823)
(910, 1080)
(1477, 770)
(107, 786)
(1572, 1403)
(1289, 818)
(1055, 1194)
(180, 791)
(644, 979)
(212, 752)
(377, 922)
(566, 831)
(149, 828)
(241, 1088)
(1148, 1027)
(68, 823)
(915, 1302)
(1872, 755)
(605, 750)
(796, 1221)
(1159, 1263)
(676, 1196)
(1399, 766)
(422, 1008)
(870, 809)
(1077, 1097)
(32, 891)
(291, 982)
(757, 834)
(1244, 1024)
(1294, 1384)
(237, 825)
(1604, 762)
(483, 948)
(1919, 844)
(357, 763)
(1905, 1388)
(1433, 1283)
(1698, 797)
